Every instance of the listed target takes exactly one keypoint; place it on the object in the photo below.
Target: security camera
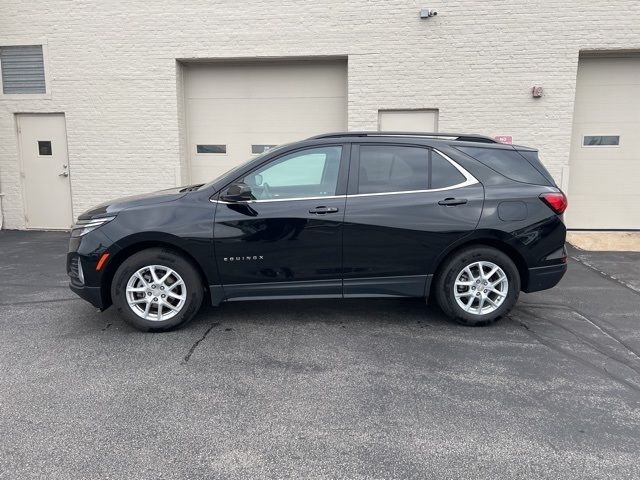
(427, 13)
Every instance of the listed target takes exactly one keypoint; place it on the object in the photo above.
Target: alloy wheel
(156, 293)
(481, 287)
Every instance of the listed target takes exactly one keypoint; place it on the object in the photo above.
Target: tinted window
(306, 173)
(386, 168)
(532, 158)
(508, 163)
(443, 174)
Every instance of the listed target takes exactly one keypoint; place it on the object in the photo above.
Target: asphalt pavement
(374, 388)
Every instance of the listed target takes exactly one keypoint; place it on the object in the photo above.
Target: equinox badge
(240, 259)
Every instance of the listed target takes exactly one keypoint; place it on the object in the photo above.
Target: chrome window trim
(469, 180)
(281, 199)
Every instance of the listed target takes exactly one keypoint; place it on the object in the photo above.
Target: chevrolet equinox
(461, 218)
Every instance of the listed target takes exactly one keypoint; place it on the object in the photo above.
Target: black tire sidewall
(454, 266)
(164, 257)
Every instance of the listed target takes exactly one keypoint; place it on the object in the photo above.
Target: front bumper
(543, 278)
(93, 295)
(86, 280)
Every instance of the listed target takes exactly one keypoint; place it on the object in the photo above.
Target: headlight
(85, 226)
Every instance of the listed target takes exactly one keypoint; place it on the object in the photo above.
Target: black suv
(387, 214)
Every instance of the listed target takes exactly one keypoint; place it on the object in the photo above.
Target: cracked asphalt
(319, 389)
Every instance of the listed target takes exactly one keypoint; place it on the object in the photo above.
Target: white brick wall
(112, 71)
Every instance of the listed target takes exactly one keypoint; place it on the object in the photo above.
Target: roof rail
(461, 137)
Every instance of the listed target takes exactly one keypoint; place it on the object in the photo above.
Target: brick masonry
(113, 72)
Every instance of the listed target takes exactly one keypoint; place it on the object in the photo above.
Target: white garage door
(236, 110)
(604, 175)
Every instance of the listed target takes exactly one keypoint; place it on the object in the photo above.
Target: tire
(477, 314)
(134, 282)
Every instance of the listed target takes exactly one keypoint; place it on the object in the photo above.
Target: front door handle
(63, 174)
(323, 210)
(450, 202)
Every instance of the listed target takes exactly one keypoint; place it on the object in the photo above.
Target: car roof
(394, 134)
(427, 138)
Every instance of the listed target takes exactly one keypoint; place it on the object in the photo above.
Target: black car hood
(115, 206)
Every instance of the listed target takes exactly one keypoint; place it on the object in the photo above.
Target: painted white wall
(112, 70)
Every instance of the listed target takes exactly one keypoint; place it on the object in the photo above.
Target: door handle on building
(63, 174)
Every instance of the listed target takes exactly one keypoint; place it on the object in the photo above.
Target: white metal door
(237, 110)
(408, 121)
(45, 171)
(604, 171)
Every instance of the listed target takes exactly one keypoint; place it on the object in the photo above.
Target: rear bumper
(543, 278)
(93, 295)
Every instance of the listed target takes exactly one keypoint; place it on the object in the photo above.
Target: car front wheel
(478, 286)
(157, 289)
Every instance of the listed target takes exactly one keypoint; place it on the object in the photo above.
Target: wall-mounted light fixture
(427, 13)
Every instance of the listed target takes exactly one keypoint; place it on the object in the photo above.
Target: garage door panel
(609, 71)
(591, 204)
(627, 132)
(265, 115)
(268, 80)
(599, 178)
(609, 106)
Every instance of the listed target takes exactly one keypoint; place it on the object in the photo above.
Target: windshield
(241, 166)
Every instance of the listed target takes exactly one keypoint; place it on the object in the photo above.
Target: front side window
(306, 173)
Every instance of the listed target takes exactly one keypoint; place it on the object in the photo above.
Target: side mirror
(238, 192)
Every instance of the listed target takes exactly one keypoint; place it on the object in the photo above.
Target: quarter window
(507, 162)
(306, 173)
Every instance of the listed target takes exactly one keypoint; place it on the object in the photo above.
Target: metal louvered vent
(22, 69)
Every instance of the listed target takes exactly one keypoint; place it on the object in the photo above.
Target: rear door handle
(450, 202)
(323, 210)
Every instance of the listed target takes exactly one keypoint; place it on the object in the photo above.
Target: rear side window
(443, 174)
(508, 163)
(389, 168)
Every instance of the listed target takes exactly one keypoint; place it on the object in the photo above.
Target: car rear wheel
(157, 289)
(478, 286)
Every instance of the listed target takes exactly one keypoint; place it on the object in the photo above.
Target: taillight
(557, 201)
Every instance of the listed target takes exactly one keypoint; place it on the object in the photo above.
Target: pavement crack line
(598, 348)
(575, 357)
(606, 275)
(598, 326)
(186, 358)
(32, 302)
